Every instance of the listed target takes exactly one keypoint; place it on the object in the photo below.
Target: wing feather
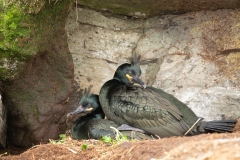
(147, 110)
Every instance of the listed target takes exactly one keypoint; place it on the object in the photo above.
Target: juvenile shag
(88, 121)
(149, 108)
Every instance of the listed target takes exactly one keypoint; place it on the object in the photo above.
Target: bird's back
(188, 115)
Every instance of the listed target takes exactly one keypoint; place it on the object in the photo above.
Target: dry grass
(204, 146)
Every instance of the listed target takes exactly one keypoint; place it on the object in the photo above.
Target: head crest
(135, 59)
(86, 94)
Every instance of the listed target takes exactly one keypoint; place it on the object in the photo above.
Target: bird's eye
(88, 105)
(84, 104)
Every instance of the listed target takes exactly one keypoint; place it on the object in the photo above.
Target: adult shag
(149, 108)
(88, 121)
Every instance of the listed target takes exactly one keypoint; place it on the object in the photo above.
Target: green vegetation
(118, 139)
(62, 139)
(4, 154)
(107, 139)
(13, 28)
(14, 34)
(84, 147)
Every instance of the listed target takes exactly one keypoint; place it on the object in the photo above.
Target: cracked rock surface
(193, 56)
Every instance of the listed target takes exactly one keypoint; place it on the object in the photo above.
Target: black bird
(88, 121)
(149, 108)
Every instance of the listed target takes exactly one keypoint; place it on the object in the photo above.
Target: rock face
(192, 56)
(197, 55)
(36, 99)
(3, 125)
(149, 8)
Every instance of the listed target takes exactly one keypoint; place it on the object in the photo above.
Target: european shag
(88, 121)
(149, 108)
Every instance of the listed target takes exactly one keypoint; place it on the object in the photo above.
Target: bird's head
(130, 73)
(89, 104)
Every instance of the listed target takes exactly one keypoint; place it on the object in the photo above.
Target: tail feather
(218, 129)
(219, 126)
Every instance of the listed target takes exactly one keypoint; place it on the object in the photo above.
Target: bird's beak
(79, 110)
(137, 80)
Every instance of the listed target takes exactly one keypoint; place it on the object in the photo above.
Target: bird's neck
(116, 79)
(105, 98)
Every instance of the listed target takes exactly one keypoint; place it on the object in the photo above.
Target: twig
(55, 2)
(117, 133)
(72, 150)
(34, 147)
(192, 126)
(157, 137)
(76, 13)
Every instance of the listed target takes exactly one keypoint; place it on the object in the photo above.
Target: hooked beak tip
(69, 114)
(140, 82)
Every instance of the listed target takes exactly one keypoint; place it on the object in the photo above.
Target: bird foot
(125, 127)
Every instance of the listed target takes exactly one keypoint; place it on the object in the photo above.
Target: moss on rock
(14, 34)
(25, 32)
